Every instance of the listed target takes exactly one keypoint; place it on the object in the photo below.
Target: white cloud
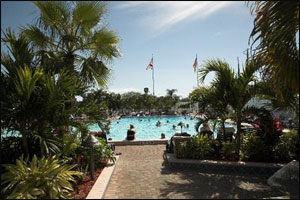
(162, 15)
(124, 90)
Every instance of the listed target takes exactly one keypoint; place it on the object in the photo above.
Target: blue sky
(173, 31)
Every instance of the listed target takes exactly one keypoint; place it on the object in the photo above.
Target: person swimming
(174, 126)
(158, 123)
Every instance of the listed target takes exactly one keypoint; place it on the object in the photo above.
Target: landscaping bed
(84, 186)
(224, 167)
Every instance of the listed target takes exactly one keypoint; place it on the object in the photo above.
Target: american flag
(150, 66)
(195, 65)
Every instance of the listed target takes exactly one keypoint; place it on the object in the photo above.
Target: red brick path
(141, 173)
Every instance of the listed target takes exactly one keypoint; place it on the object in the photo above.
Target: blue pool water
(146, 127)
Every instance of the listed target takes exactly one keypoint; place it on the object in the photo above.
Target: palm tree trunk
(238, 134)
(25, 145)
(223, 127)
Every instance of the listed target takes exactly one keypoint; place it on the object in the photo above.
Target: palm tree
(213, 103)
(68, 36)
(171, 98)
(237, 89)
(275, 30)
(171, 92)
(36, 103)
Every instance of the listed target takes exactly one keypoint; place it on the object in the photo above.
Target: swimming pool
(146, 127)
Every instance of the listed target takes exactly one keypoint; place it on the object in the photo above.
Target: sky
(173, 32)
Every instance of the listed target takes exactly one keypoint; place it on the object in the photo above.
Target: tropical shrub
(183, 149)
(70, 144)
(203, 146)
(45, 178)
(103, 152)
(253, 148)
(198, 147)
(285, 149)
(228, 151)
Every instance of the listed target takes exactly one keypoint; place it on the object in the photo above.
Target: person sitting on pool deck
(205, 130)
(131, 132)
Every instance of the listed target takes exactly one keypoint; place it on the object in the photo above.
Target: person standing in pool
(158, 123)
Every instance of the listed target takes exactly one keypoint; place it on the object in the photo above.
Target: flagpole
(197, 72)
(153, 74)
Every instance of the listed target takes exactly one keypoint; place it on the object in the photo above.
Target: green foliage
(285, 149)
(267, 131)
(44, 178)
(274, 34)
(228, 150)
(198, 147)
(70, 144)
(11, 148)
(230, 89)
(66, 34)
(254, 149)
(103, 153)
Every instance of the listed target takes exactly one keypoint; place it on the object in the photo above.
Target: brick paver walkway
(142, 173)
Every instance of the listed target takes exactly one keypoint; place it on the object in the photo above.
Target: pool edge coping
(100, 186)
(138, 142)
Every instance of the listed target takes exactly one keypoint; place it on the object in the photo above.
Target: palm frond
(36, 36)
(221, 68)
(19, 48)
(25, 82)
(95, 70)
(275, 27)
(104, 44)
(53, 13)
(87, 14)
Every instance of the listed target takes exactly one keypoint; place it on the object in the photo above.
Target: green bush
(44, 178)
(102, 152)
(285, 149)
(184, 149)
(228, 151)
(198, 147)
(254, 149)
(70, 144)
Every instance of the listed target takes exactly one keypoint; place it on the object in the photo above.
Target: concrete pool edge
(138, 142)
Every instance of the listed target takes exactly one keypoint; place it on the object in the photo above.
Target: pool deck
(142, 172)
